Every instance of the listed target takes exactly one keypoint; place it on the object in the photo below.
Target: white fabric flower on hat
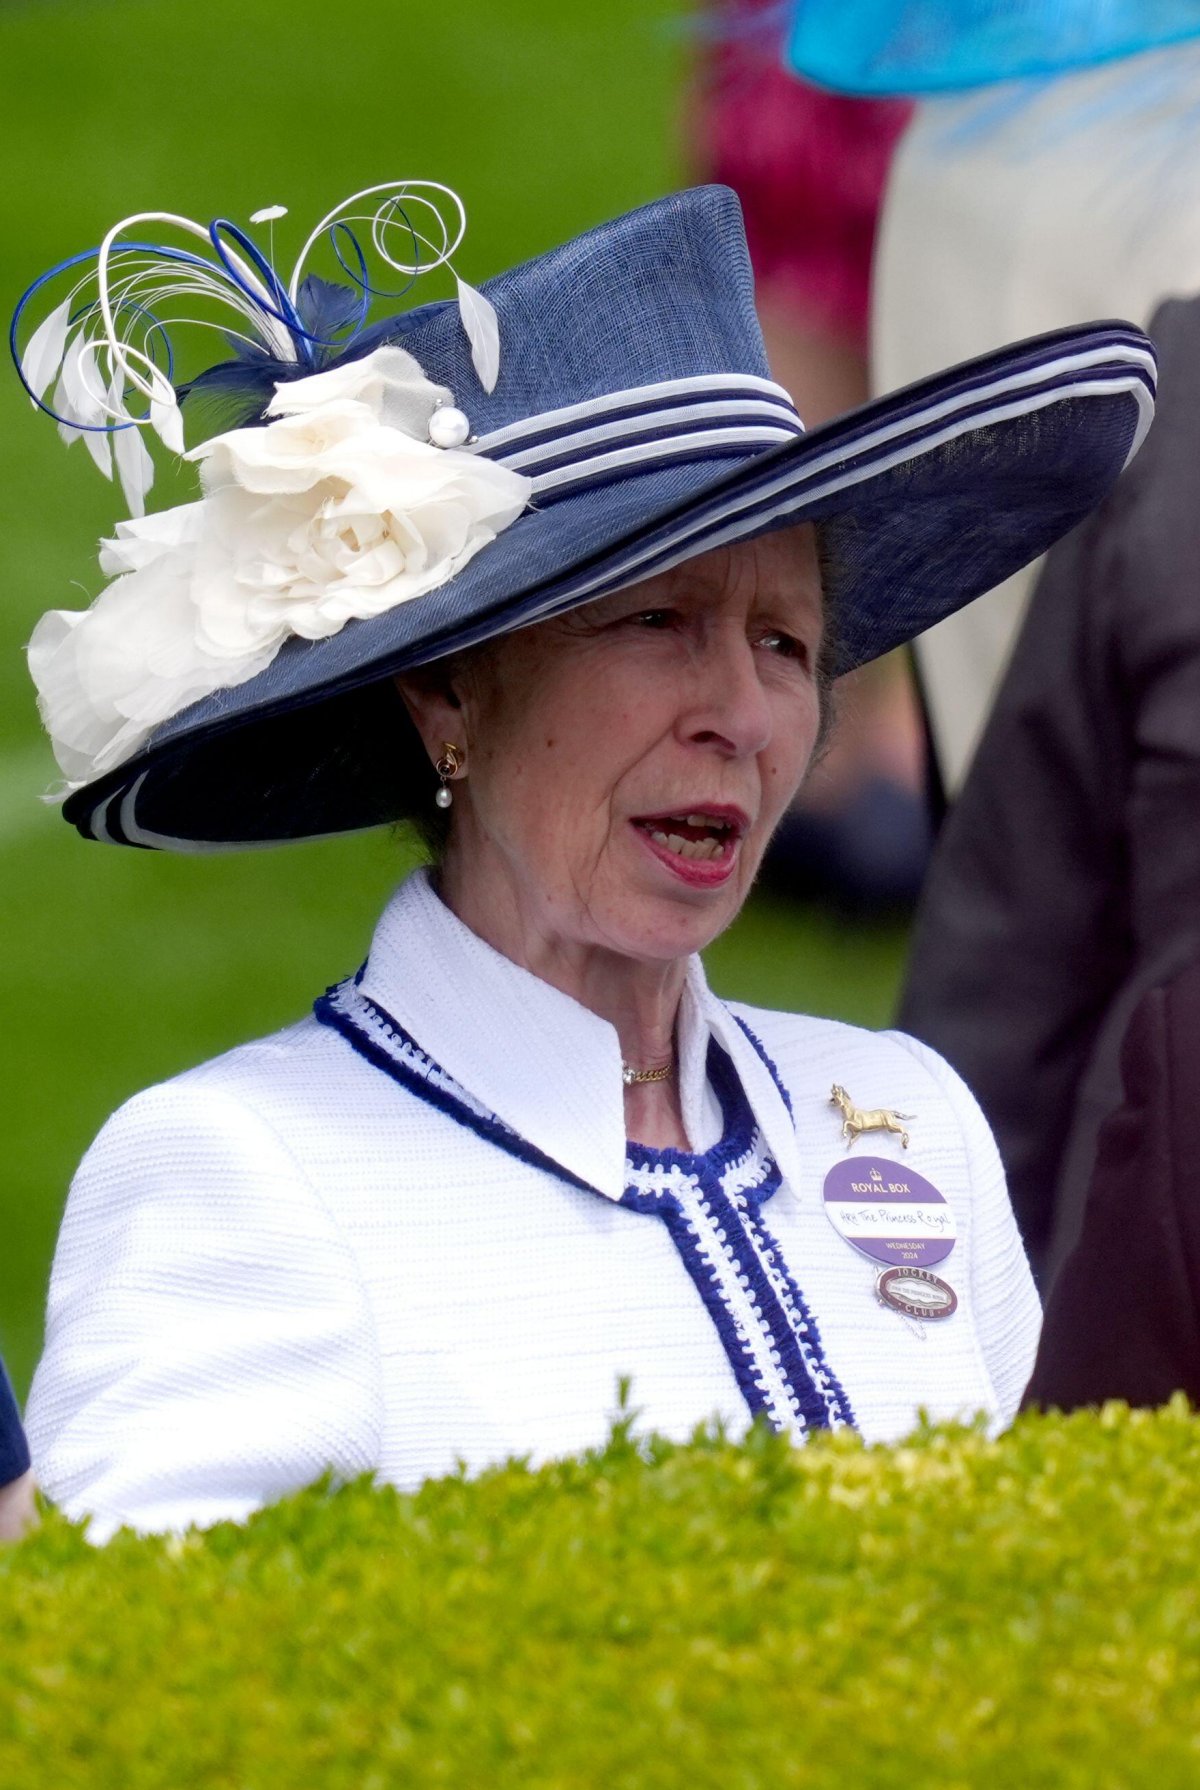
(339, 508)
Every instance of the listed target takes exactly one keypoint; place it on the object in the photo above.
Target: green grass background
(120, 967)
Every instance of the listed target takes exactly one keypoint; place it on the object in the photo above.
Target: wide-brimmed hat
(602, 413)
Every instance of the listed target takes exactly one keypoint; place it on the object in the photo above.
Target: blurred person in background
(1123, 1316)
(1066, 882)
(1044, 178)
(1015, 208)
(808, 167)
(1066, 887)
(1048, 175)
(554, 572)
(16, 1480)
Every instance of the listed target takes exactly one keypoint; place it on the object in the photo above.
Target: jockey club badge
(893, 1215)
(916, 1293)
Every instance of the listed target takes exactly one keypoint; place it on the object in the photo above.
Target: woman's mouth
(699, 844)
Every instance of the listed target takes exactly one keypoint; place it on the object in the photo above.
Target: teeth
(688, 848)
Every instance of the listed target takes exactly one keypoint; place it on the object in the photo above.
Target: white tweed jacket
(408, 1232)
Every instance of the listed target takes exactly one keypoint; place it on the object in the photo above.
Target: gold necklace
(631, 1076)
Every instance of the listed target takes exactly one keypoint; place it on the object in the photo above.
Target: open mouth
(699, 835)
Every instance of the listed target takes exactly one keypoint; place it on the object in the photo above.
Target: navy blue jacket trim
(490, 1128)
(738, 1350)
(761, 1049)
(795, 1297)
(816, 1394)
(828, 1386)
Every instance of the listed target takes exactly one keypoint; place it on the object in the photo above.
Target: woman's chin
(678, 916)
(663, 943)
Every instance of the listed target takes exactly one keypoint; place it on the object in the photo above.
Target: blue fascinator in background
(927, 46)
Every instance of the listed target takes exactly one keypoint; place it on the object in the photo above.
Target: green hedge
(948, 1612)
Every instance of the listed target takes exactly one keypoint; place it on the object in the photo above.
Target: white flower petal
(144, 539)
(329, 513)
(390, 378)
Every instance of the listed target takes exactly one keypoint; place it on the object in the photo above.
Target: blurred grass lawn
(120, 967)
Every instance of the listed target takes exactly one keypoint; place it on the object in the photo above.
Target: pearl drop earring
(447, 766)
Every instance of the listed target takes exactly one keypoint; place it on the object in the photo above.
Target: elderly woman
(554, 571)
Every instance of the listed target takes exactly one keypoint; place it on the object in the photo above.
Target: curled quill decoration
(102, 362)
(440, 237)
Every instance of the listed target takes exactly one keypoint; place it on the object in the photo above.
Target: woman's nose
(728, 707)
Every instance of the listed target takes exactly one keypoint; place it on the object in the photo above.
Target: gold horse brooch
(857, 1119)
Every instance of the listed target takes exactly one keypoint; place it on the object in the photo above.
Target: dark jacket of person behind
(1066, 882)
(1124, 1317)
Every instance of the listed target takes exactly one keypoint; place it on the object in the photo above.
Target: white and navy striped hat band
(896, 442)
(635, 395)
(675, 419)
(625, 432)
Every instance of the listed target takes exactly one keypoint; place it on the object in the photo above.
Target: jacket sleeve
(14, 1450)
(1008, 1313)
(1063, 884)
(1123, 1315)
(208, 1344)
(1021, 934)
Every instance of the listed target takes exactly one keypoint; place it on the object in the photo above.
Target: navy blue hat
(633, 391)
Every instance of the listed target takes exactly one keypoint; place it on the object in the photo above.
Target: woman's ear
(432, 700)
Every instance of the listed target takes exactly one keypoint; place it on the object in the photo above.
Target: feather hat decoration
(103, 362)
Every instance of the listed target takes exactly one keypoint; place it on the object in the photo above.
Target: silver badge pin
(916, 1293)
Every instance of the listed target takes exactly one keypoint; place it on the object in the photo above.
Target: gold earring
(447, 766)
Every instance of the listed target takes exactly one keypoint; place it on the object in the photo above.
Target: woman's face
(626, 763)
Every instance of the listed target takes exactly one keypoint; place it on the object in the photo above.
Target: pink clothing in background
(808, 166)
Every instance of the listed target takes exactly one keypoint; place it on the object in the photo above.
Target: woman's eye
(653, 618)
(785, 645)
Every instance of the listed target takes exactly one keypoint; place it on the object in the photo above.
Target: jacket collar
(544, 1064)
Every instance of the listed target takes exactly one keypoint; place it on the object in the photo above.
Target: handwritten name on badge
(889, 1212)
